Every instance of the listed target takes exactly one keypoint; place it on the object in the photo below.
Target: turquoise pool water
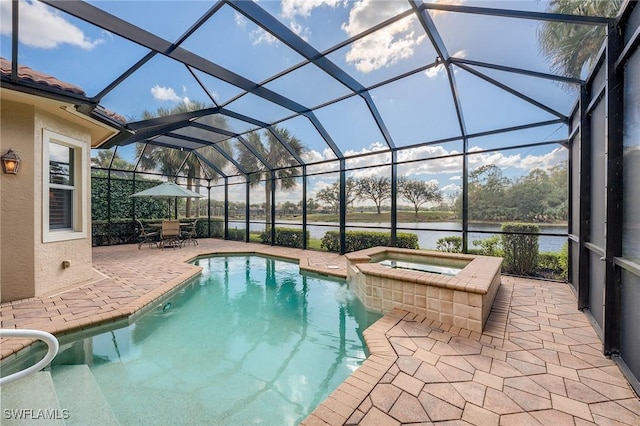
(250, 341)
(424, 266)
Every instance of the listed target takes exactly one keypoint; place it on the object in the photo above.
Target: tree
(288, 208)
(331, 194)
(106, 159)
(486, 193)
(528, 196)
(418, 192)
(277, 156)
(169, 160)
(541, 196)
(376, 189)
(568, 47)
(311, 204)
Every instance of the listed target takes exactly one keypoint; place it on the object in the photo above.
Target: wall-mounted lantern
(10, 163)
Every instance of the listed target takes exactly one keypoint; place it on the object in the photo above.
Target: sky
(415, 109)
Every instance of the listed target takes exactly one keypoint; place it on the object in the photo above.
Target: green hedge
(451, 244)
(520, 252)
(360, 240)
(104, 233)
(217, 228)
(116, 232)
(114, 201)
(286, 237)
(236, 234)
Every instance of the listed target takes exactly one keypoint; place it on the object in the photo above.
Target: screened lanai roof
(345, 78)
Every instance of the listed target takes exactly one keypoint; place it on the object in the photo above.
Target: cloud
(436, 13)
(545, 161)
(290, 9)
(168, 94)
(375, 146)
(42, 27)
(434, 72)
(302, 32)
(259, 36)
(417, 164)
(240, 20)
(387, 46)
(293, 8)
(452, 187)
(312, 156)
(496, 158)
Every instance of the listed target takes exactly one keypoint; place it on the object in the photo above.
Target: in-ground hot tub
(452, 288)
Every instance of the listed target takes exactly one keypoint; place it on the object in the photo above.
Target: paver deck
(538, 361)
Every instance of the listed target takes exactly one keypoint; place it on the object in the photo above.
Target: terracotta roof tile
(112, 115)
(30, 75)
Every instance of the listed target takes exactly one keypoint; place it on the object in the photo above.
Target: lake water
(427, 239)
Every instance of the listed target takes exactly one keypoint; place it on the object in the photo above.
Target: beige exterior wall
(17, 229)
(30, 267)
(49, 273)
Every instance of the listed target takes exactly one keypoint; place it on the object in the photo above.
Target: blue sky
(416, 109)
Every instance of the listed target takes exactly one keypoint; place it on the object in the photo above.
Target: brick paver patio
(538, 361)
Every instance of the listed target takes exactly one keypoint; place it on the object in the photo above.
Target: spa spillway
(451, 288)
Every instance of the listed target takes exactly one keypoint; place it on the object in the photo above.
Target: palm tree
(277, 156)
(568, 47)
(104, 160)
(169, 160)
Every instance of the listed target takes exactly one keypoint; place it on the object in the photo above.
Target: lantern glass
(10, 162)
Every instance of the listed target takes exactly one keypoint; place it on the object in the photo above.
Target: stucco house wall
(17, 228)
(29, 266)
(49, 273)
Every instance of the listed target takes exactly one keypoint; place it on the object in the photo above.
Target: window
(64, 179)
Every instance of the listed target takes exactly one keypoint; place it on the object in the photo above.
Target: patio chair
(189, 236)
(170, 236)
(144, 237)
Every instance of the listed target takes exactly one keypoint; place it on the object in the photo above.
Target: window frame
(79, 201)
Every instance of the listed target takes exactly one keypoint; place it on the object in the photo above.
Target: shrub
(360, 240)
(286, 237)
(555, 262)
(236, 234)
(105, 233)
(217, 228)
(451, 244)
(520, 251)
(490, 246)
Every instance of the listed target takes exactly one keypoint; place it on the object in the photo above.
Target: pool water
(422, 266)
(250, 341)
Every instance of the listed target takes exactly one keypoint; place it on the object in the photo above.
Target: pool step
(31, 401)
(79, 393)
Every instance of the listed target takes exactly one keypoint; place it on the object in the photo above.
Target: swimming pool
(251, 340)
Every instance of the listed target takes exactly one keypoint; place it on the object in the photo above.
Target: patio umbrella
(167, 190)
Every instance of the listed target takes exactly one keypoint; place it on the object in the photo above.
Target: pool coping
(463, 299)
(386, 350)
(475, 277)
(127, 313)
(343, 402)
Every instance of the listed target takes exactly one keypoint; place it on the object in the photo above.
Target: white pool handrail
(52, 351)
